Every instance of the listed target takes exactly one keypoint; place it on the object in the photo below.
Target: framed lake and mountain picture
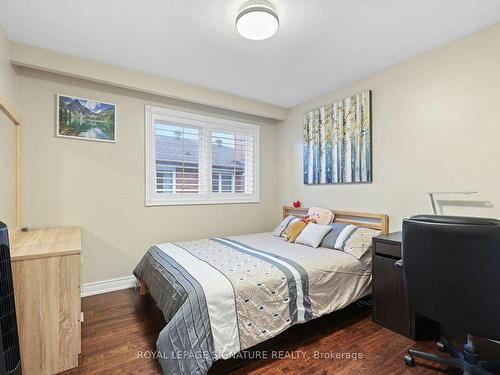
(338, 142)
(85, 119)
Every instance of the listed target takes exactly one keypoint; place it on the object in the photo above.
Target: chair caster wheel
(441, 347)
(410, 360)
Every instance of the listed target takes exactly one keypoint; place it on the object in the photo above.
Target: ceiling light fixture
(257, 20)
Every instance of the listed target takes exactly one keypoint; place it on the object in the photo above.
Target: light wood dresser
(46, 273)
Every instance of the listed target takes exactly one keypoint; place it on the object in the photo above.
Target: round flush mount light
(257, 20)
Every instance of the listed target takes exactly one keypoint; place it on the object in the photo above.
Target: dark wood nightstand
(391, 307)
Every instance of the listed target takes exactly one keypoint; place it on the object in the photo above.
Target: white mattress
(336, 278)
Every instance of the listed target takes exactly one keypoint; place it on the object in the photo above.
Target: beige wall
(7, 134)
(436, 127)
(100, 186)
(50, 61)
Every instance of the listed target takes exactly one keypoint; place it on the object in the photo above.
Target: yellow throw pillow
(294, 230)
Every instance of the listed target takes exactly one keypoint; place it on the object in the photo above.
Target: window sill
(195, 202)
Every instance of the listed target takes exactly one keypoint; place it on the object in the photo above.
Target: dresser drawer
(391, 308)
(388, 249)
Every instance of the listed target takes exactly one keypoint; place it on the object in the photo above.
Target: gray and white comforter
(220, 296)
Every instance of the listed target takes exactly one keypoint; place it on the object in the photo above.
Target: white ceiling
(321, 44)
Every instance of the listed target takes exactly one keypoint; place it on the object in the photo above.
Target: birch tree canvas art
(337, 142)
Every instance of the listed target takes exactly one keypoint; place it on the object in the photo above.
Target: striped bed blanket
(223, 295)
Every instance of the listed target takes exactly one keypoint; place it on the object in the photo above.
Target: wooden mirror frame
(14, 118)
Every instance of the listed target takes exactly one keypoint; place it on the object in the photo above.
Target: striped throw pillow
(351, 239)
(279, 231)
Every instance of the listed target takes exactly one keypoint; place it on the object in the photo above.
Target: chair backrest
(452, 271)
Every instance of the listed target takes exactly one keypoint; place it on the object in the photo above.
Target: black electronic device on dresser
(10, 360)
(391, 307)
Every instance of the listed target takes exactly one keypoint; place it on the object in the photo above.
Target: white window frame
(206, 124)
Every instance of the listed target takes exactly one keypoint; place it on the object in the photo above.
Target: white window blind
(194, 159)
(232, 162)
(179, 152)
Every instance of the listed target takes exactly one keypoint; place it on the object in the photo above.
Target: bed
(223, 295)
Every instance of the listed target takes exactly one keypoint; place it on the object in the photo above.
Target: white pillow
(322, 216)
(313, 234)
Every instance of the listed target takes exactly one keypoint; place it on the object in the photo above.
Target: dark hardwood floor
(120, 325)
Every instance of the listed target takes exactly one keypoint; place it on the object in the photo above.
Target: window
(165, 180)
(223, 182)
(194, 159)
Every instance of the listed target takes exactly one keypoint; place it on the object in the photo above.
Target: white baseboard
(105, 286)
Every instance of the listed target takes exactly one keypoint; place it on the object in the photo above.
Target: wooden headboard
(374, 221)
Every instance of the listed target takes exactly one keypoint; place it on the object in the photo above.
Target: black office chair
(451, 268)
